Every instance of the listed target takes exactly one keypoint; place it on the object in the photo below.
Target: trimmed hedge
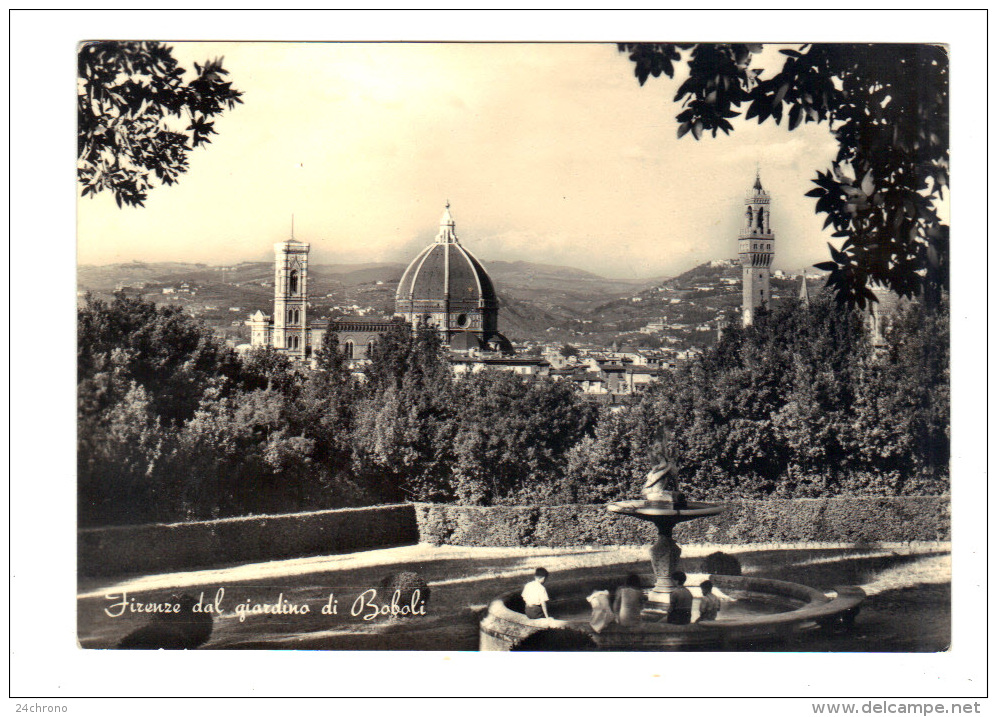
(184, 546)
(822, 520)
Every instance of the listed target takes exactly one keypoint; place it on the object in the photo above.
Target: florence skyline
(550, 153)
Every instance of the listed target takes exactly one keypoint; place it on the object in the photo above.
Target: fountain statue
(664, 506)
(662, 480)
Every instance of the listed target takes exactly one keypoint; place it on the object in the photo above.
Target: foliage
(849, 519)
(142, 371)
(405, 416)
(267, 368)
(120, 457)
(513, 437)
(173, 427)
(402, 357)
(132, 105)
(797, 405)
(902, 407)
(887, 107)
(171, 355)
(330, 360)
(721, 563)
(608, 464)
(405, 583)
(241, 456)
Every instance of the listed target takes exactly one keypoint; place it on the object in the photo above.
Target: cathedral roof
(465, 341)
(445, 269)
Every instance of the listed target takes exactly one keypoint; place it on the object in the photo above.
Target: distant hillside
(107, 277)
(559, 284)
(538, 302)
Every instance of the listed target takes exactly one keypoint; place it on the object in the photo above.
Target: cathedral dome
(445, 269)
(446, 287)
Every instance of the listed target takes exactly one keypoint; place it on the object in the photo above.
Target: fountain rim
(503, 623)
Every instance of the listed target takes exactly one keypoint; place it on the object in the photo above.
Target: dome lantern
(448, 232)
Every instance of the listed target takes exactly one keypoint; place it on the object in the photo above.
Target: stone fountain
(665, 511)
(756, 609)
(664, 506)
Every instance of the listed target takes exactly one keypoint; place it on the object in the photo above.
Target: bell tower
(290, 297)
(756, 249)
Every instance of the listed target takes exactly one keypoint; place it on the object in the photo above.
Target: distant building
(755, 249)
(882, 311)
(524, 366)
(446, 287)
(288, 330)
(357, 335)
(654, 327)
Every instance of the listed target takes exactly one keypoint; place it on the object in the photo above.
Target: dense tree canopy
(172, 426)
(138, 118)
(405, 423)
(800, 404)
(163, 349)
(886, 105)
(513, 437)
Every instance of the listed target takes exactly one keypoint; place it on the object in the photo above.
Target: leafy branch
(887, 107)
(128, 94)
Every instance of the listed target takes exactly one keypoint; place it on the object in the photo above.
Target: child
(535, 596)
(709, 606)
(628, 603)
(679, 602)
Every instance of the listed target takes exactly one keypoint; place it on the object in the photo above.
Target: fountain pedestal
(665, 553)
(665, 509)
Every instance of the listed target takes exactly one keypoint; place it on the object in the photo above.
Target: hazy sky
(547, 152)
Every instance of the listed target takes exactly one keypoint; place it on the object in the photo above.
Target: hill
(538, 302)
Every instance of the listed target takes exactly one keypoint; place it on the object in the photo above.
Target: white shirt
(534, 593)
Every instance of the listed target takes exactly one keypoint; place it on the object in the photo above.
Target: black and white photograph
(474, 344)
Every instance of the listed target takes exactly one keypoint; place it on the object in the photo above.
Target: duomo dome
(447, 287)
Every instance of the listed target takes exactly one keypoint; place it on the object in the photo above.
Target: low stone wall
(184, 546)
(854, 521)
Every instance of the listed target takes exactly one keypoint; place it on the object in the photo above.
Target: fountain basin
(755, 611)
(651, 509)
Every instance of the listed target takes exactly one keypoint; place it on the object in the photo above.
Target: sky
(551, 153)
